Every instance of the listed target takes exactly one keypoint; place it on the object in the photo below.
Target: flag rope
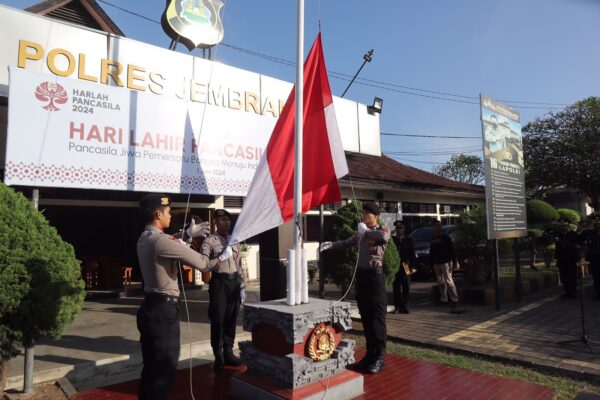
(187, 208)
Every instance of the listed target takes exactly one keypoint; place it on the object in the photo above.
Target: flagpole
(298, 141)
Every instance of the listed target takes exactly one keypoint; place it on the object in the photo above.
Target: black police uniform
(401, 283)
(158, 316)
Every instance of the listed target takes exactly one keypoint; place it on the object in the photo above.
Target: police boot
(376, 365)
(364, 362)
(219, 364)
(230, 358)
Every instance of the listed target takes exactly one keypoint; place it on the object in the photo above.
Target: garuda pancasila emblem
(195, 23)
(321, 343)
(53, 93)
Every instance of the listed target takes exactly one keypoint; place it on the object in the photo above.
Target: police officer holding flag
(226, 290)
(158, 317)
(371, 297)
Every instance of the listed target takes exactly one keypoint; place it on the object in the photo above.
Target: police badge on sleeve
(195, 23)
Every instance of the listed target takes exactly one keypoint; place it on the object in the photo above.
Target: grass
(565, 388)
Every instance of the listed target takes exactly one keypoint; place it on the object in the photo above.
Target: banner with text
(76, 134)
(504, 170)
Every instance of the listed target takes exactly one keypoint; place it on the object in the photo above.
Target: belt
(221, 275)
(161, 298)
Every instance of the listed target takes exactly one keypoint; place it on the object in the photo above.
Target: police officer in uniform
(226, 290)
(370, 286)
(158, 316)
(401, 285)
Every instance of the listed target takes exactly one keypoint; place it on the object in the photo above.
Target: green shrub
(41, 290)
(339, 265)
(540, 212)
(391, 262)
(470, 243)
(569, 215)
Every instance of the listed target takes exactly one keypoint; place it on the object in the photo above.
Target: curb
(510, 360)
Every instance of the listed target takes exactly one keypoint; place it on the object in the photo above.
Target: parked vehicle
(421, 238)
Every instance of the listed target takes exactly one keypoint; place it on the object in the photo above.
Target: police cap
(371, 207)
(153, 201)
(221, 213)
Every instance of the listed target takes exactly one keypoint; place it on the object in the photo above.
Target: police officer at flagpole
(158, 317)
(226, 290)
(370, 286)
(401, 285)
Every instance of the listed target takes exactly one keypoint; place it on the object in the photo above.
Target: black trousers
(401, 288)
(372, 305)
(595, 270)
(567, 270)
(223, 308)
(158, 323)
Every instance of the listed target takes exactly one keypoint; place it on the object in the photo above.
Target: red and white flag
(270, 199)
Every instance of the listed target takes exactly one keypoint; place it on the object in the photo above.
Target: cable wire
(375, 83)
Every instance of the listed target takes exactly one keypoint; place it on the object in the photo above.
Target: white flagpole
(298, 141)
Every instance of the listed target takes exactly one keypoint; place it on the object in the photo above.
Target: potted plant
(244, 250)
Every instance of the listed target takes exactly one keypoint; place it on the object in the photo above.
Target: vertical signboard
(504, 170)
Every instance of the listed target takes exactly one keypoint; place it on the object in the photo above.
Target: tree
(539, 212)
(41, 290)
(561, 150)
(462, 168)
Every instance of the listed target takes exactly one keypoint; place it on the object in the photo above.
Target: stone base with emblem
(297, 352)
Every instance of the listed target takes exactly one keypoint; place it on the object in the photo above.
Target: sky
(432, 58)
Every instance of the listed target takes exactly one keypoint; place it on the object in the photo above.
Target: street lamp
(367, 58)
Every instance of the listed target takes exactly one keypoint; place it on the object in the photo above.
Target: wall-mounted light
(376, 107)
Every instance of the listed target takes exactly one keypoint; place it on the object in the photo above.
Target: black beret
(371, 207)
(154, 200)
(399, 223)
(221, 213)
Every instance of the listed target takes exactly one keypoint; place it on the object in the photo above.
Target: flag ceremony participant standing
(370, 286)
(158, 316)
(401, 285)
(226, 290)
(443, 261)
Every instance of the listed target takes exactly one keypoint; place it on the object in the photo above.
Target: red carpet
(402, 378)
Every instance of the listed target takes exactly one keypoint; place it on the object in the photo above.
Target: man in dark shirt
(593, 255)
(401, 285)
(567, 255)
(443, 259)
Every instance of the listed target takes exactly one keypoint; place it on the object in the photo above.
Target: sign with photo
(504, 170)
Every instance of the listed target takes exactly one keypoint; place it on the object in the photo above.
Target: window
(418, 208)
(389, 206)
(452, 208)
